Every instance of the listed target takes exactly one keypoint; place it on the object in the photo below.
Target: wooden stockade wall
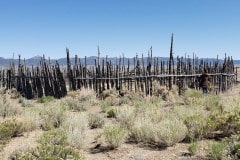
(142, 75)
(148, 76)
(34, 82)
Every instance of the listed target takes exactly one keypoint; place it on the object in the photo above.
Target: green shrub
(95, 121)
(75, 127)
(227, 122)
(10, 128)
(193, 97)
(142, 131)
(192, 148)
(6, 108)
(25, 103)
(45, 99)
(195, 125)
(167, 132)
(104, 106)
(233, 146)
(115, 135)
(170, 131)
(51, 116)
(76, 105)
(126, 116)
(53, 146)
(123, 100)
(89, 96)
(212, 103)
(111, 113)
(216, 150)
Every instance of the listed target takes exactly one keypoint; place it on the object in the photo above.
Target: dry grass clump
(87, 95)
(75, 127)
(193, 97)
(114, 135)
(126, 116)
(110, 93)
(148, 124)
(52, 145)
(165, 133)
(26, 103)
(216, 150)
(74, 105)
(52, 116)
(7, 109)
(80, 101)
(30, 118)
(196, 126)
(9, 128)
(170, 131)
(95, 121)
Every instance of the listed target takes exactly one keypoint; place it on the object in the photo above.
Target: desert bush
(108, 93)
(81, 101)
(149, 111)
(227, 122)
(233, 146)
(95, 121)
(212, 103)
(53, 145)
(124, 100)
(126, 116)
(51, 116)
(111, 113)
(115, 135)
(216, 151)
(10, 128)
(170, 131)
(87, 96)
(6, 108)
(164, 133)
(45, 99)
(195, 125)
(30, 118)
(104, 106)
(75, 105)
(145, 119)
(142, 131)
(75, 127)
(25, 103)
(193, 97)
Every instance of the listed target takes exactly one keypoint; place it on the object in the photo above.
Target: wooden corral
(145, 75)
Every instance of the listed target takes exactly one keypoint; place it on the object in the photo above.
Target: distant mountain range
(90, 60)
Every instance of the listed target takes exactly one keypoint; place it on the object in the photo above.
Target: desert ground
(121, 127)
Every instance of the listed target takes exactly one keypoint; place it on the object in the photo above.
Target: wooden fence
(145, 75)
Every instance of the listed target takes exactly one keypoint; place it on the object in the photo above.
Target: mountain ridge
(90, 60)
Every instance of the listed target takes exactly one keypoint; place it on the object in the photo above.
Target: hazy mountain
(90, 60)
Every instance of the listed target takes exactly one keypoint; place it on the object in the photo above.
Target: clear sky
(36, 27)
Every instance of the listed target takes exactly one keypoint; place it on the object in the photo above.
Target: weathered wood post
(171, 64)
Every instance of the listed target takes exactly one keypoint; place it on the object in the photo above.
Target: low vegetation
(52, 145)
(160, 121)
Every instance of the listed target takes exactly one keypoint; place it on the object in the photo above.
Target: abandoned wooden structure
(145, 75)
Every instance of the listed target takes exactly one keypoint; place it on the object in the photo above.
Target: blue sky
(35, 27)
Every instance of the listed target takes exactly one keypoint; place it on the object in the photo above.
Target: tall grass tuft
(216, 150)
(6, 108)
(126, 116)
(75, 127)
(52, 116)
(115, 135)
